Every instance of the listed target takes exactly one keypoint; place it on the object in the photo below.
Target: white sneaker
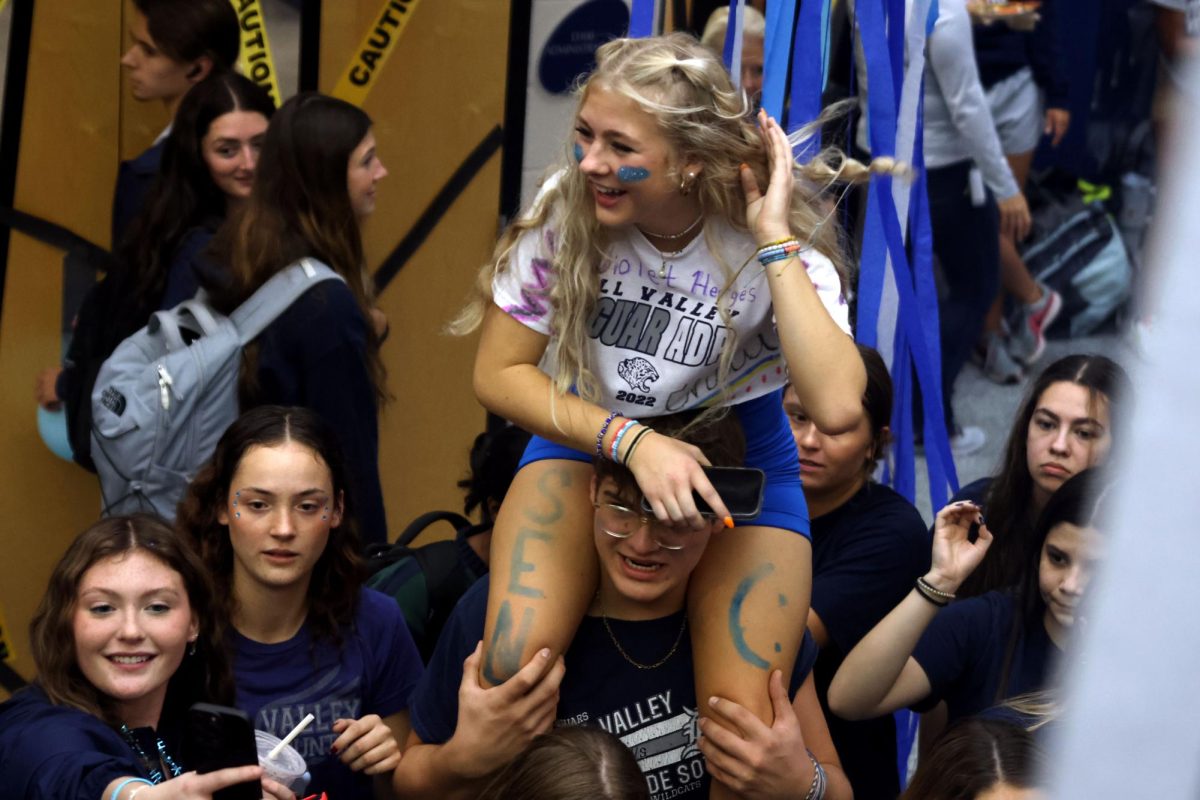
(968, 440)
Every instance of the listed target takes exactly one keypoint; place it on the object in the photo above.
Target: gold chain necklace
(662, 270)
(630, 659)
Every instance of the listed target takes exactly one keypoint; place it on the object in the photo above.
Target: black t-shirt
(962, 654)
(653, 711)
(867, 554)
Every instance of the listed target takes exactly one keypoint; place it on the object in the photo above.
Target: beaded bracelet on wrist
(603, 430)
(624, 429)
(816, 789)
(935, 596)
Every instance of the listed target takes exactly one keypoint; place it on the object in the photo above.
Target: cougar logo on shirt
(638, 373)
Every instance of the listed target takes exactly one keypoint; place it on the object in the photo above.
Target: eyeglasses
(620, 522)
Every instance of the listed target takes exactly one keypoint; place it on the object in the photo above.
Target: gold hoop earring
(686, 183)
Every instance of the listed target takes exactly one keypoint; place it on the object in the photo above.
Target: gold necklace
(630, 659)
(679, 235)
(662, 270)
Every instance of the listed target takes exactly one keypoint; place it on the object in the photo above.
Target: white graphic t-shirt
(655, 342)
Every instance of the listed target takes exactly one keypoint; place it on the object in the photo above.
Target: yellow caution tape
(6, 651)
(255, 60)
(370, 56)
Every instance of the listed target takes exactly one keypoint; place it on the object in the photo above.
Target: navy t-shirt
(50, 752)
(135, 177)
(190, 269)
(373, 672)
(653, 711)
(962, 654)
(315, 355)
(867, 554)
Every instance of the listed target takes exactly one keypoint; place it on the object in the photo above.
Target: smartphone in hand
(740, 487)
(216, 737)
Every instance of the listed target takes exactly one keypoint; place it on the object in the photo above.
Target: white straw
(296, 731)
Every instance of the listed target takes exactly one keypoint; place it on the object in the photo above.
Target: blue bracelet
(125, 783)
(621, 435)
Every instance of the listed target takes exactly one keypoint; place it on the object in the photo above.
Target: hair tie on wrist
(125, 783)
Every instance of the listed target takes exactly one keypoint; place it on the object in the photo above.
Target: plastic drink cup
(288, 768)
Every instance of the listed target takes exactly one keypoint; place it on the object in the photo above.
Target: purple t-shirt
(373, 672)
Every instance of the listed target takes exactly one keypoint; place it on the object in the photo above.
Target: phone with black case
(217, 737)
(740, 487)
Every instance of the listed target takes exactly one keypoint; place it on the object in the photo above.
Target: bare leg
(747, 605)
(543, 566)
(1014, 275)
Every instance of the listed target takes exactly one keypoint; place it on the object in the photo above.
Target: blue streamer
(915, 347)
(641, 18)
(732, 52)
(777, 49)
(807, 75)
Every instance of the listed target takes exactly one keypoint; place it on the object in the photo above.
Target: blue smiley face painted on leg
(632, 174)
(578, 152)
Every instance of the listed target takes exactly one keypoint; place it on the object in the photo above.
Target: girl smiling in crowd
(123, 647)
(983, 650)
(634, 280)
(275, 525)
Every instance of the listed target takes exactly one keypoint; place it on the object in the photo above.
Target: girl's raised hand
(366, 745)
(667, 471)
(767, 214)
(955, 556)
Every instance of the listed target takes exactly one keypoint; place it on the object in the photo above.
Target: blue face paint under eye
(632, 174)
(578, 152)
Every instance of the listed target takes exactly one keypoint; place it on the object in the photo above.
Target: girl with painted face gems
(633, 281)
(271, 516)
(315, 185)
(1064, 426)
(123, 645)
(980, 651)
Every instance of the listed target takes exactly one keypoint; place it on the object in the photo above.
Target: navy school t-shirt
(867, 554)
(50, 752)
(373, 672)
(653, 711)
(962, 654)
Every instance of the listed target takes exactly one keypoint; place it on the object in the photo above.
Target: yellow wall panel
(66, 172)
(438, 95)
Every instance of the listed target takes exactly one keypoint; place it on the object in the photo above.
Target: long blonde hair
(689, 92)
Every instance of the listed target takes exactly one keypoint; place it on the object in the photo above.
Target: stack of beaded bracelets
(778, 251)
(935, 596)
(613, 453)
(816, 789)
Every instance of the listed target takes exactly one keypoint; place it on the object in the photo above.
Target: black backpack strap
(422, 522)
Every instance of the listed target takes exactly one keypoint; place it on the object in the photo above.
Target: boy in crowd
(628, 670)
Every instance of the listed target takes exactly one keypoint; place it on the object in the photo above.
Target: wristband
(629, 423)
(125, 783)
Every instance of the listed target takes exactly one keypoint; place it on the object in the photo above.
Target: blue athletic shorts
(769, 447)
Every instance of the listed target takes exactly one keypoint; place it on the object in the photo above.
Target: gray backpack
(167, 393)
